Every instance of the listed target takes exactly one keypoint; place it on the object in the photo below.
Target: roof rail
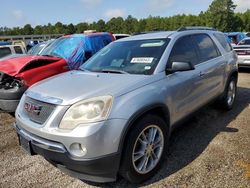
(147, 32)
(196, 28)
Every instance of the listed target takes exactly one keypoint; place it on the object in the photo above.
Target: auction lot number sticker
(143, 60)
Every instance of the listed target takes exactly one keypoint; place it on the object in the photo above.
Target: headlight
(87, 111)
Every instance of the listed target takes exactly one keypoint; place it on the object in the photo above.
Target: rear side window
(223, 41)
(207, 49)
(183, 51)
(4, 51)
(18, 49)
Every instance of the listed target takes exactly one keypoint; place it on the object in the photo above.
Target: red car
(63, 54)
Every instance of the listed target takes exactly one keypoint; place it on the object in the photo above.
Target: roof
(165, 34)
(87, 34)
(13, 45)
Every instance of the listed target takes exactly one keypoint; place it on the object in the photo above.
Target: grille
(45, 109)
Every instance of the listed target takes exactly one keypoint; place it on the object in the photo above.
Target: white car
(243, 52)
(7, 50)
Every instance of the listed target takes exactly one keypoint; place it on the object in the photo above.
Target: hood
(71, 87)
(14, 66)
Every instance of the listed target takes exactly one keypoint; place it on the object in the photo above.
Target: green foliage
(220, 15)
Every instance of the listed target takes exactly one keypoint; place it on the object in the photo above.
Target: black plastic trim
(101, 169)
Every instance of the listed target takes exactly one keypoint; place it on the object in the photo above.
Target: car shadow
(190, 139)
(244, 70)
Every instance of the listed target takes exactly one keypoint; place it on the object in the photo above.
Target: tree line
(220, 15)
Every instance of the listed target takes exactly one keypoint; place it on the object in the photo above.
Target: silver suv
(114, 116)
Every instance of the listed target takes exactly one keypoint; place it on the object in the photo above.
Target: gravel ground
(210, 150)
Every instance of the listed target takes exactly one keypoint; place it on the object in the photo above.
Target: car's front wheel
(144, 149)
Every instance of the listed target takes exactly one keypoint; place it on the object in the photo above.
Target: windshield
(133, 57)
(36, 49)
(63, 47)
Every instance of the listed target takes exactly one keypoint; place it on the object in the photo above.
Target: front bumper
(8, 105)
(102, 169)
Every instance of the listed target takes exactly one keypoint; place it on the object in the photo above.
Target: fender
(138, 115)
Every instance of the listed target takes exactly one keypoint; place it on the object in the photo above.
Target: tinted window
(245, 42)
(223, 41)
(183, 51)
(4, 51)
(18, 49)
(206, 46)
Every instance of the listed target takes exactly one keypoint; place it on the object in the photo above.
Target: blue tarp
(5, 43)
(73, 48)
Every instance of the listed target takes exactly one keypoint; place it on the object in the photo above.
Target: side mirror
(180, 66)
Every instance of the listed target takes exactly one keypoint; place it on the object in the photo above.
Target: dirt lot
(210, 150)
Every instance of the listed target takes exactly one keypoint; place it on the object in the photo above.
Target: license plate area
(25, 144)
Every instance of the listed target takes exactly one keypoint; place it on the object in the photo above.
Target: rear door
(211, 67)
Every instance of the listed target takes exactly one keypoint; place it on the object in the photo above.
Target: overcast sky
(20, 12)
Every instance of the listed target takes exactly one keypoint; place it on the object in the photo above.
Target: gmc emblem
(32, 108)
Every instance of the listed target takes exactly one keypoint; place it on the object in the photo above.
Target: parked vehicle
(37, 49)
(19, 43)
(248, 34)
(115, 115)
(64, 54)
(243, 52)
(5, 43)
(236, 37)
(33, 43)
(11, 49)
(120, 36)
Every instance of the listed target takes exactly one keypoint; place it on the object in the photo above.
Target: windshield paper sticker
(145, 60)
(147, 67)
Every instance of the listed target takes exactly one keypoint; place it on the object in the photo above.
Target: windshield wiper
(113, 71)
(85, 70)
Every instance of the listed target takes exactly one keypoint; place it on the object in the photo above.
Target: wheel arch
(233, 73)
(160, 110)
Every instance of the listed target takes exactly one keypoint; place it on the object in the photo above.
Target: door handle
(202, 74)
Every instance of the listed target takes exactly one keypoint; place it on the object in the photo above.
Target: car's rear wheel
(144, 150)
(229, 96)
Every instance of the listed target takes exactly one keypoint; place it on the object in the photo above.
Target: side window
(4, 51)
(207, 49)
(223, 41)
(183, 51)
(18, 49)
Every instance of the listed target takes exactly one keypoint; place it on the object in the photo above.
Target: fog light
(78, 150)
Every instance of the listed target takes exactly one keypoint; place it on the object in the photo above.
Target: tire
(12, 114)
(228, 99)
(132, 168)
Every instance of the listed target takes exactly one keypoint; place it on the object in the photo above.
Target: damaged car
(64, 54)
